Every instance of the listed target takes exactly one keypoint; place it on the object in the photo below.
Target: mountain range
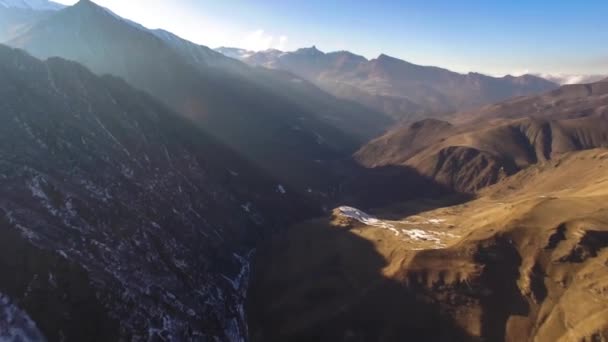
(524, 261)
(154, 189)
(496, 141)
(116, 206)
(393, 86)
(277, 120)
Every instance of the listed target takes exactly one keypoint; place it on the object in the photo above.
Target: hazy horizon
(497, 39)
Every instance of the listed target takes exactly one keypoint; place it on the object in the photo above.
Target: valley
(155, 189)
(506, 266)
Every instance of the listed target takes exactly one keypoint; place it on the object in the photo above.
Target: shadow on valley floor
(56, 293)
(384, 186)
(322, 283)
(317, 281)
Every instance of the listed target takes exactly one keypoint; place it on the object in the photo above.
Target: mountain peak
(87, 4)
(91, 8)
(313, 51)
(345, 53)
(384, 58)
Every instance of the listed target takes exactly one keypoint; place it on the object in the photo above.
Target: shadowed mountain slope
(120, 219)
(473, 155)
(285, 134)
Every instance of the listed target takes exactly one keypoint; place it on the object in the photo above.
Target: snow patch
(16, 324)
(281, 189)
(412, 234)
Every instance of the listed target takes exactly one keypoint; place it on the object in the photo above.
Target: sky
(495, 37)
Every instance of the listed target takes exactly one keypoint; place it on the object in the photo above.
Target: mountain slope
(198, 55)
(286, 137)
(524, 262)
(235, 53)
(15, 21)
(118, 218)
(568, 101)
(478, 153)
(348, 117)
(401, 89)
(36, 5)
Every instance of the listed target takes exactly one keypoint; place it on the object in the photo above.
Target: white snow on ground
(412, 234)
(15, 324)
(420, 235)
(359, 215)
(281, 189)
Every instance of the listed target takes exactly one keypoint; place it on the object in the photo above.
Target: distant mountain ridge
(17, 16)
(235, 53)
(564, 79)
(396, 87)
(273, 117)
(38, 5)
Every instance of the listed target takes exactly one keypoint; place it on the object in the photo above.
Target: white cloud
(259, 40)
(518, 73)
(559, 78)
(572, 78)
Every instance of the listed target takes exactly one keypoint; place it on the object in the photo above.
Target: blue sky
(495, 37)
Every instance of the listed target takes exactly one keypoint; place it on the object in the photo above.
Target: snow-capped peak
(37, 5)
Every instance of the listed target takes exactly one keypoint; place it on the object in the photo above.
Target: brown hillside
(527, 261)
(568, 101)
(473, 155)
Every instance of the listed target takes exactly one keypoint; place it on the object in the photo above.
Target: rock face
(119, 219)
(404, 90)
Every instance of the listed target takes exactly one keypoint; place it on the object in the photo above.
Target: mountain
(16, 20)
(235, 53)
(568, 101)
(526, 261)
(198, 55)
(401, 89)
(36, 5)
(120, 220)
(287, 126)
(498, 140)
